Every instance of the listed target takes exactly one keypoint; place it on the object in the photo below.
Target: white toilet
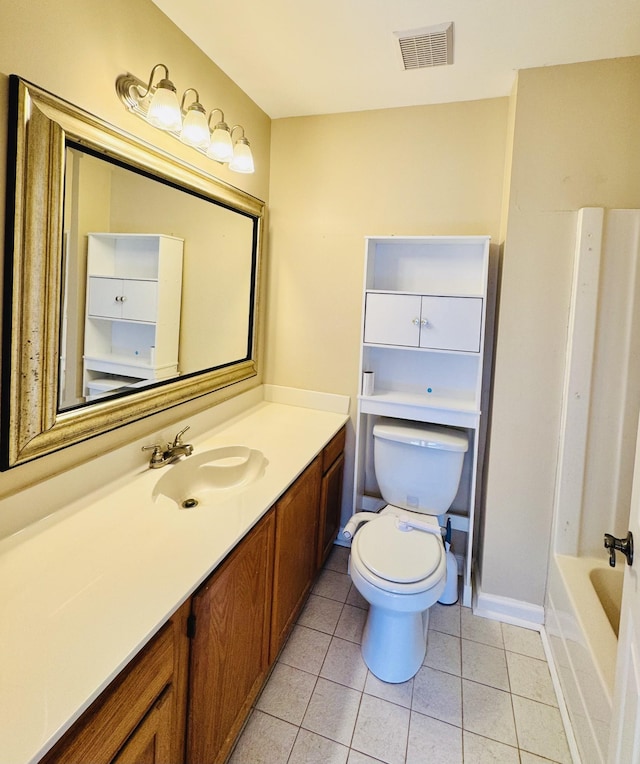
(398, 560)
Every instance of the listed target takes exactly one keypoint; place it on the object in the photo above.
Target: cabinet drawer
(332, 450)
(451, 323)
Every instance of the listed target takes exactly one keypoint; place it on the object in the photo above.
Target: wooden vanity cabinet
(294, 567)
(230, 645)
(330, 495)
(140, 717)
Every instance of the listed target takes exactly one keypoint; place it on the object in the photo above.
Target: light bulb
(221, 146)
(242, 157)
(164, 109)
(195, 131)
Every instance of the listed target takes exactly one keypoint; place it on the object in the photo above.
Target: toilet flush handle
(405, 523)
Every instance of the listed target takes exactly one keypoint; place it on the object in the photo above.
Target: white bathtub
(581, 617)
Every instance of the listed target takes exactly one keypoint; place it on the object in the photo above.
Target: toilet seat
(402, 562)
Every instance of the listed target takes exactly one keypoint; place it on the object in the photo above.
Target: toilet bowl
(398, 561)
(401, 574)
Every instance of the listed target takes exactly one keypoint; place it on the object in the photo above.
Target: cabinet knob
(121, 298)
(416, 322)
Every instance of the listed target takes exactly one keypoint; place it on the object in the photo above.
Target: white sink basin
(206, 478)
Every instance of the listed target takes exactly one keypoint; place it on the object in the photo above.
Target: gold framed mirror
(49, 398)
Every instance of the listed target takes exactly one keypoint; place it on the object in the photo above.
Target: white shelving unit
(423, 336)
(132, 326)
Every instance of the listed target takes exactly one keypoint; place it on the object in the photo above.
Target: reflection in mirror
(90, 207)
(157, 282)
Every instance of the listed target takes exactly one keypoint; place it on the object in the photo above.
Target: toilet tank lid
(425, 436)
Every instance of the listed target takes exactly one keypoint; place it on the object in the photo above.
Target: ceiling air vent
(430, 46)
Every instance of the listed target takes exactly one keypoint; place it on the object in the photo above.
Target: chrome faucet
(169, 452)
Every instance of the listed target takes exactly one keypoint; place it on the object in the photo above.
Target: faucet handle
(177, 441)
(158, 452)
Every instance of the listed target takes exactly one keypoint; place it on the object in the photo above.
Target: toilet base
(394, 643)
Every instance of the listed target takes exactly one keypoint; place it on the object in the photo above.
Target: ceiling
(301, 57)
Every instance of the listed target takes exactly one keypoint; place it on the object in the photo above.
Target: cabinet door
(140, 300)
(229, 652)
(295, 551)
(130, 299)
(105, 297)
(151, 741)
(451, 323)
(392, 319)
(150, 693)
(330, 506)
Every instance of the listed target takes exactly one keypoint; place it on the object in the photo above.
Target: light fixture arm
(164, 79)
(197, 101)
(238, 127)
(221, 120)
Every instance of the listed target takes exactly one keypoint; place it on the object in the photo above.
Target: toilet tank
(418, 466)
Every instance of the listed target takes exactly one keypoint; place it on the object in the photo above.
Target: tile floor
(484, 693)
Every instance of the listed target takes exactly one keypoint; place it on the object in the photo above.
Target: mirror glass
(131, 283)
(156, 282)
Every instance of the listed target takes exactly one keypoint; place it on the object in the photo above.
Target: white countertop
(84, 589)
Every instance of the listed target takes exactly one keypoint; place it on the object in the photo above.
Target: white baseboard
(508, 610)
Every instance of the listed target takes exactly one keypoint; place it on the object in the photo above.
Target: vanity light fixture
(187, 121)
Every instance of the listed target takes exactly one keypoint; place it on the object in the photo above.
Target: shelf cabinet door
(140, 301)
(128, 299)
(433, 322)
(104, 297)
(230, 649)
(451, 323)
(392, 319)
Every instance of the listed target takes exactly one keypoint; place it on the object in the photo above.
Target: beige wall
(338, 178)
(76, 49)
(576, 139)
